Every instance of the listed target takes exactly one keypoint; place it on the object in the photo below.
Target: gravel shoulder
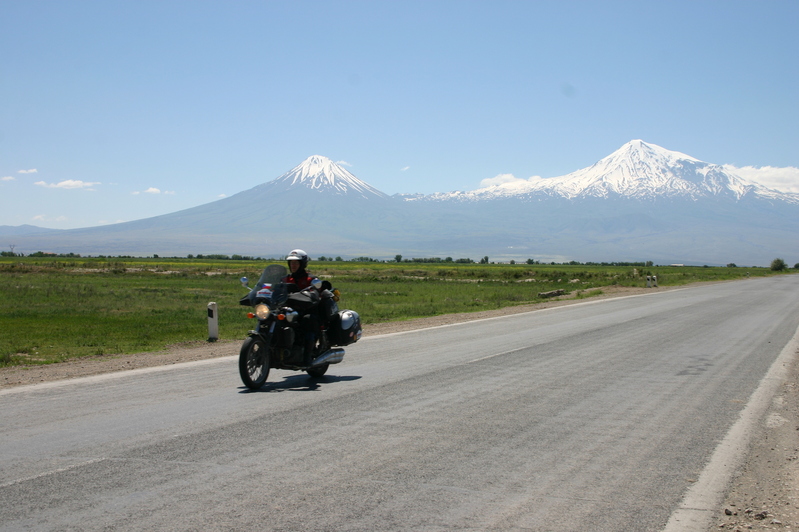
(764, 494)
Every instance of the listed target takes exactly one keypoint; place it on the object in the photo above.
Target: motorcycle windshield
(272, 274)
(269, 287)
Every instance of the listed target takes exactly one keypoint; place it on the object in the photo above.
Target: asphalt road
(595, 416)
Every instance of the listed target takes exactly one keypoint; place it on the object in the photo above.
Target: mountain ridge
(637, 170)
(607, 212)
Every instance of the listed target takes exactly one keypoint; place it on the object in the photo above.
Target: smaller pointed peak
(323, 174)
(316, 159)
(316, 164)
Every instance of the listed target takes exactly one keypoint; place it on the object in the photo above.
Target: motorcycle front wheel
(254, 362)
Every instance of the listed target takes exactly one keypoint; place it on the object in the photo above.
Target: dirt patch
(765, 495)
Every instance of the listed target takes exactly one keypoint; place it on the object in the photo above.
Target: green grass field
(54, 309)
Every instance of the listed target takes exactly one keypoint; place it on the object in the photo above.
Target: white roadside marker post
(213, 322)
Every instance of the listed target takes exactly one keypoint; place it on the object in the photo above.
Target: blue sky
(119, 110)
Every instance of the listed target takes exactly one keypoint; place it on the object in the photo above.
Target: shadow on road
(299, 383)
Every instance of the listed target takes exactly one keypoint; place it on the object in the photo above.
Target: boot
(324, 345)
(309, 354)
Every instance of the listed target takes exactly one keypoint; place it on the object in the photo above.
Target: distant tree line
(38, 254)
(646, 264)
(776, 265)
(216, 256)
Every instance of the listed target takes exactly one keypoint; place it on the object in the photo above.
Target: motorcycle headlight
(262, 311)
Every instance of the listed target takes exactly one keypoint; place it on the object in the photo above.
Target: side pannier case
(345, 328)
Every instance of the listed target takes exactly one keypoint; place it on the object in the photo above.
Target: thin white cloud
(343, 163)
(500, 179)
(154, 191)
(31, 171)
(45, 218)
(405, 169)
(504, 179)
(69, 183)
(222, 196)
(782, 179)
(7, 178)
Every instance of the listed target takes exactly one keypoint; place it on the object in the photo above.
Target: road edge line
(705, 497)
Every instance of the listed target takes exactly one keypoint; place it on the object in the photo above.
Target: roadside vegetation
(57, 308)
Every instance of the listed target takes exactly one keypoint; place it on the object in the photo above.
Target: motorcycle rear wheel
(254, 362)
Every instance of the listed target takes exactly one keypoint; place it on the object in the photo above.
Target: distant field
(54, 309)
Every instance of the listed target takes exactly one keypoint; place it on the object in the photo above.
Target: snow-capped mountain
(642, 202)
(323, 175)
(637, 170)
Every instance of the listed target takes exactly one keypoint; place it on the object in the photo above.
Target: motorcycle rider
(297, 262)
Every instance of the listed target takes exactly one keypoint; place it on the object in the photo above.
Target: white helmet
(300, 255)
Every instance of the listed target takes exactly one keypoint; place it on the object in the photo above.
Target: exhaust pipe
(331, 356)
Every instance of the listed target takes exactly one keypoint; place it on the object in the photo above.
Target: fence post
(213, 322)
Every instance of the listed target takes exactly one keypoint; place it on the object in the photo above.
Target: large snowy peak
(645, 171)
(322, 174)
(638, 170)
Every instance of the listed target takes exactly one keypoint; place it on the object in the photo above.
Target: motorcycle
(299, 330)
